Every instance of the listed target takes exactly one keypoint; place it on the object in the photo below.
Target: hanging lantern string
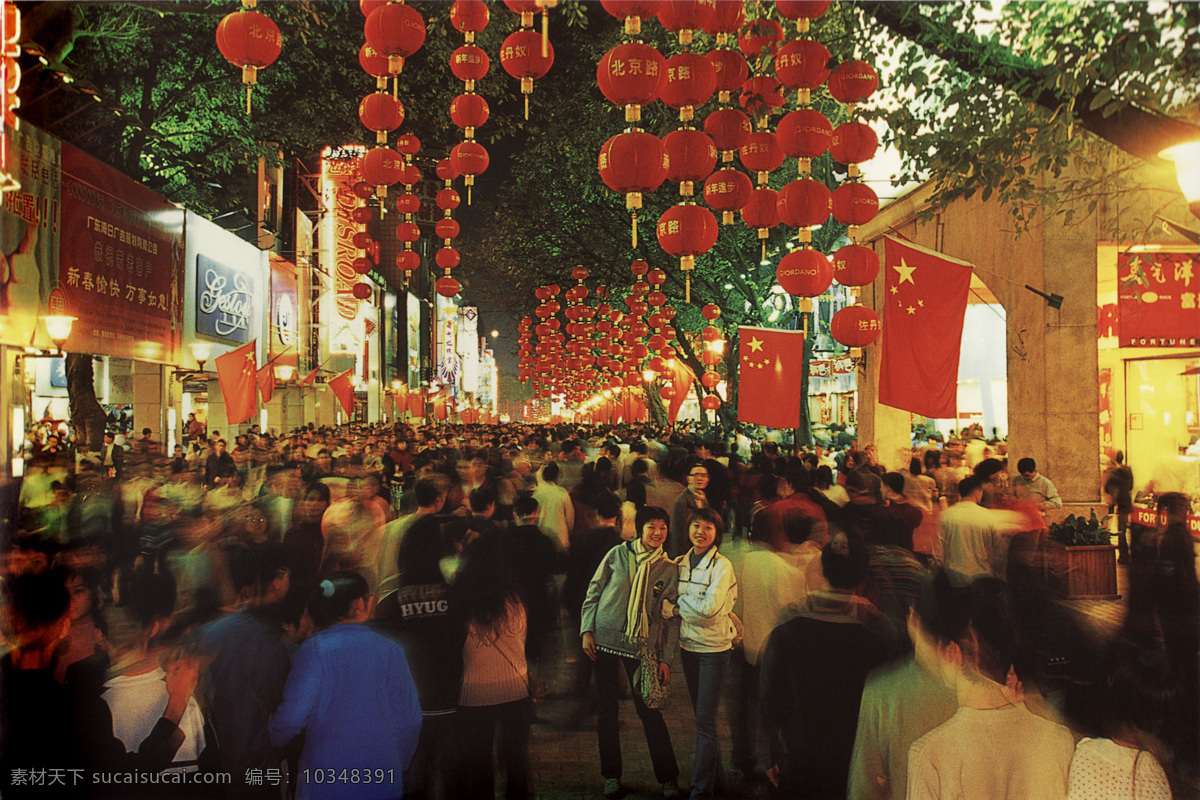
(634, 228)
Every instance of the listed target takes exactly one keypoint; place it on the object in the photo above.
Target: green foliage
(1079, 532)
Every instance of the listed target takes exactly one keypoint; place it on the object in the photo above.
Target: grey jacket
(608, 596)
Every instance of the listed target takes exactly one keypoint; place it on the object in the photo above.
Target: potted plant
(1082, 563)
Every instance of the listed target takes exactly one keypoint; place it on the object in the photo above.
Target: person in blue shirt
(352, 694)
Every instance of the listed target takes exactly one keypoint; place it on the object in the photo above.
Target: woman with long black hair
(495, 685)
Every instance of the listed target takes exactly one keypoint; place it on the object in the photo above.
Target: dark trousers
(477, 726)
(658, 738)
(743, 712)
(436, 758)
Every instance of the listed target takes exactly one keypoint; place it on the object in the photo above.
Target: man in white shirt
(558, 514)
(969, 544)
(1035, 486)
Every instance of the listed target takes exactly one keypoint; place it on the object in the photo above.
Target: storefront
(1149, 381)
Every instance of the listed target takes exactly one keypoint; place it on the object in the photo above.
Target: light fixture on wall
(1052, 300)
(59, 328)
(200, 352)
(1186, 158)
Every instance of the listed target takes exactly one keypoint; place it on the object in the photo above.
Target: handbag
(647, 682)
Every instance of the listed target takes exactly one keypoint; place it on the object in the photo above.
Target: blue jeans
(705, 675)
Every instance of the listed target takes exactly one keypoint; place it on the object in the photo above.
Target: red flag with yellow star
(237, 373)
(343, 389)
(769, 365)
(925, 303)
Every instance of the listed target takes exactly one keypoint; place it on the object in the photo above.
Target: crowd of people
(369, 611)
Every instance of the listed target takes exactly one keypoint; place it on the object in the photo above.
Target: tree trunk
(803, 435)
(654, 403)
(87, 416)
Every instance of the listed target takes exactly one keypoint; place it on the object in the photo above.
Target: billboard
(413, 339)
(284, 328)
(226, 299)
(121, 263)
(1157, 299)
(339, 307)
(468, 347)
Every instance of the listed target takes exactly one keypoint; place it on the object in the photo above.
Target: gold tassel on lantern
(249, 77)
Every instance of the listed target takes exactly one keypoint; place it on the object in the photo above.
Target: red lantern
(691, 156)
(711, 312)
(363, 190)
(632, 11)
(802, 64)
(805, 133)
(710, 402)
(855, 326)
(382, 167)
(362, 240)
(691, 81)
(361, 265)
(469, 64)
(853, 81)
(469, 159)
(728, 191)
(727, 18)
(855, 265)
(624, 87)
(730, 69)
(408, 260)
(762, 211)
(804, 273)
(407, 145)
(447, 258)
(251, 41)
(656, 277)
(761, 37)
(408, 204)
(446, 171)
(362, 215)
(855, 204)
(667, 392)
(469, 17)
(408, 232)
(446, 229)
(684, 16)
(362, 291)
(853, 143)
(526, 55)
(729, 129)
(447, 286)
(469, 111)
(710, 380)
(633, 163)
(686, 231)
(762, 154)
(803, 204)
(762, 95)
(802, 11)
(395, 30)
(381, 113)
(374, 64)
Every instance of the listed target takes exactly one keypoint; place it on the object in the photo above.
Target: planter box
(1083, 572)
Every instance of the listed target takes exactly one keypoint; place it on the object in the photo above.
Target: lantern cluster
(526, 54)
(447, 230)
(469, 64)
(711, 354)
(854, 203)
(249, 40)
(525, 357)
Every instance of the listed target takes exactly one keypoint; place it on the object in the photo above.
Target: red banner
(1147, 516)
(121, 263)
(1157, 299)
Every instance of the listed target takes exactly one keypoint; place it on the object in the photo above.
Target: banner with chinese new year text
(120, 264)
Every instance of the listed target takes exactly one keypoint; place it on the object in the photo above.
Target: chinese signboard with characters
(827, 368)
(1157, 299)
(226, 298)
(121, 263)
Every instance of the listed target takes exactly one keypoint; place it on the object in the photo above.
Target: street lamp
(495, 333)
(284, 372)
(59, 328)
(201, 352)
(1186, 158)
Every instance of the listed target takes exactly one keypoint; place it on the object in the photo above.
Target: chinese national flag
(925, 303)
(238, 375)
(682, 379)
(416, 403)
(439, 407)
(770, 363)
(266, 382)
(344, 391)
(312, 377)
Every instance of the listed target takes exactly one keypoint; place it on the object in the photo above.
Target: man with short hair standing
(1035, 486)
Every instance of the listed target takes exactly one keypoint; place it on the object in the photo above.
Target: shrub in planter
(1081, 532)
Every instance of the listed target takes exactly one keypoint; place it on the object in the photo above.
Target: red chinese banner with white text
(120, 263)
(1157, 299)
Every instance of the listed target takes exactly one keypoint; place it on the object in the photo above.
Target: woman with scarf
(621, 617)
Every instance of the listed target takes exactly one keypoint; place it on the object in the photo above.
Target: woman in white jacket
(707, 591)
